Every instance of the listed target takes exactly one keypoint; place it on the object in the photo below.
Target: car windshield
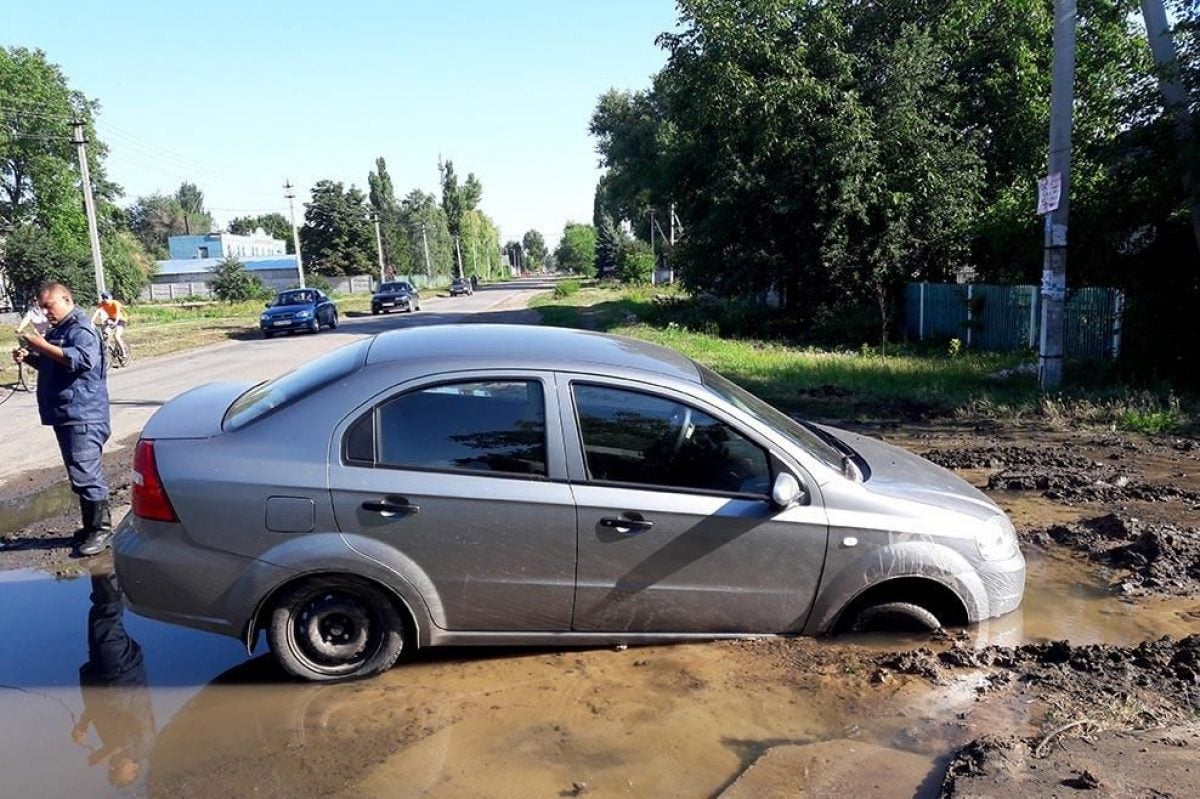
(294, 298)
(393, 287)
(286, 389)
(794, 430)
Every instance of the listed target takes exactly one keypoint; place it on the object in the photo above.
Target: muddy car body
(493, 484)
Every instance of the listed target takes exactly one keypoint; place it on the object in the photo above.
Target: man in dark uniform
(73, 398)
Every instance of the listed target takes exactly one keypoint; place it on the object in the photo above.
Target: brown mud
(1000, 709)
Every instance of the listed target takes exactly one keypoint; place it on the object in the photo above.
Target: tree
(337, 237)
(608, 247)
(33, 256)
(515, 254)
(457, 200)
(635, 262)
(576, 251)
(481, 244)
(232, 282)
(273, 224)
(425, 229)
(382, 196)
(127, 266)
(534, 245)
(196, 220)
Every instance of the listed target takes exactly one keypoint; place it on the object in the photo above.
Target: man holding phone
(72, 397)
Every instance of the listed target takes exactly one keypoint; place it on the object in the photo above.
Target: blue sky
(236, 96)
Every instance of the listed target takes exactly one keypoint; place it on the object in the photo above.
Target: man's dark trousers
(81, 446)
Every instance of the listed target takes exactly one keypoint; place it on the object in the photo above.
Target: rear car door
(676, 529)
(464, 478)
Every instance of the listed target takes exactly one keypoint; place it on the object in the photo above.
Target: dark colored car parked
(460, 285)
(396, 295)
(298, 309)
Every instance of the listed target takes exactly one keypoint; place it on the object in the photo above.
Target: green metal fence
(1003, 318)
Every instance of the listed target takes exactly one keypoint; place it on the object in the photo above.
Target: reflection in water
(116, 700)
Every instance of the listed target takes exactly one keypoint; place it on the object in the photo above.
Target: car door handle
(387, 507)
(627, 526)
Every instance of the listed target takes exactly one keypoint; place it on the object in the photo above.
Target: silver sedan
(491, 484)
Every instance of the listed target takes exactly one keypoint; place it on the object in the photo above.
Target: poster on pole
(1049, 193)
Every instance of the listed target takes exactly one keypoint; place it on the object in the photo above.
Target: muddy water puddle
(192, 716)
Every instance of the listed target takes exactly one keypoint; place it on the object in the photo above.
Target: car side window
(643, 439)
(479, 426)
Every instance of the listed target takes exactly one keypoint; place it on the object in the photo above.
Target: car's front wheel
(328, 629)
(333, 321)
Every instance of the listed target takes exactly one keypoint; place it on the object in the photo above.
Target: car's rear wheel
(333, 321)
(335, 628)
(895, 617)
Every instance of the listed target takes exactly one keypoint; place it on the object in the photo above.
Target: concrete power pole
(425, 242)
(378, 247)
(1175, 99)
(89, 205)
(290, 192)
(1054, 265)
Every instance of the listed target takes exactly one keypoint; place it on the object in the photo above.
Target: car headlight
(996, 539)
(264, 318)
(303, 314)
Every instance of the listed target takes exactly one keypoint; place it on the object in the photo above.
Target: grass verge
(863, 384)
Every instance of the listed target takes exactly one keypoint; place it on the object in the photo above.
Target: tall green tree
(576, 250)
(534, 245)
(337, 237)
(608, 247)
(382, 195)
(457, 200)
(426, 231)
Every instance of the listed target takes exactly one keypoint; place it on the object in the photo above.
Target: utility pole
(290, 192)
(89, 205)
(1175, 100)
(1054, 264)
(378, 246)
(425, 241)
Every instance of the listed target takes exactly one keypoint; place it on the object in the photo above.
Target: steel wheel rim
(335, 632)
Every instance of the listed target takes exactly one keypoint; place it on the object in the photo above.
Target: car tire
(374, 312)
(268, 334)
(315, 325)
(333, 321)
(330, 629)
(895, 617)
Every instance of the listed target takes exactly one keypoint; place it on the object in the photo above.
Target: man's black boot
(85, 517)
(101, 534)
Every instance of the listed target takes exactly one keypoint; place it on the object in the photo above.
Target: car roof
(528, 347)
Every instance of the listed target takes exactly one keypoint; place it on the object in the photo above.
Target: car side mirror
(266, 305)
(787, 492)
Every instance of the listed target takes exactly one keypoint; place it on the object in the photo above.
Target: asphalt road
(137, 391)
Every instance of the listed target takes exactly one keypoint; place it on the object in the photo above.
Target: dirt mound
(1158, 559)
(1152, 681)
(1106, 763)
(1000, 457)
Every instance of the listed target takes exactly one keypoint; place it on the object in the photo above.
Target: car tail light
(149, 497)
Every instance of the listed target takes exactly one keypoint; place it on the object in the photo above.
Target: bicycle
(117, 356)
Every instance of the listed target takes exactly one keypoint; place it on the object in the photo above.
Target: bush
(565, 289)
(233, 283)
(635, 262)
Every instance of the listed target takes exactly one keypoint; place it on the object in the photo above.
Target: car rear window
(287, 388)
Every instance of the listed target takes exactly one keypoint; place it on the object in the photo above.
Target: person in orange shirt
(111, 313)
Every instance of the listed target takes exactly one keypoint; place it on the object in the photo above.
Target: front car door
(676, 529)
(464, 479)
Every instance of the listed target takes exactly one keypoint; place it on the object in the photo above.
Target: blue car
(298, 309)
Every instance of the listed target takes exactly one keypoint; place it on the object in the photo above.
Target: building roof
(255, 263)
